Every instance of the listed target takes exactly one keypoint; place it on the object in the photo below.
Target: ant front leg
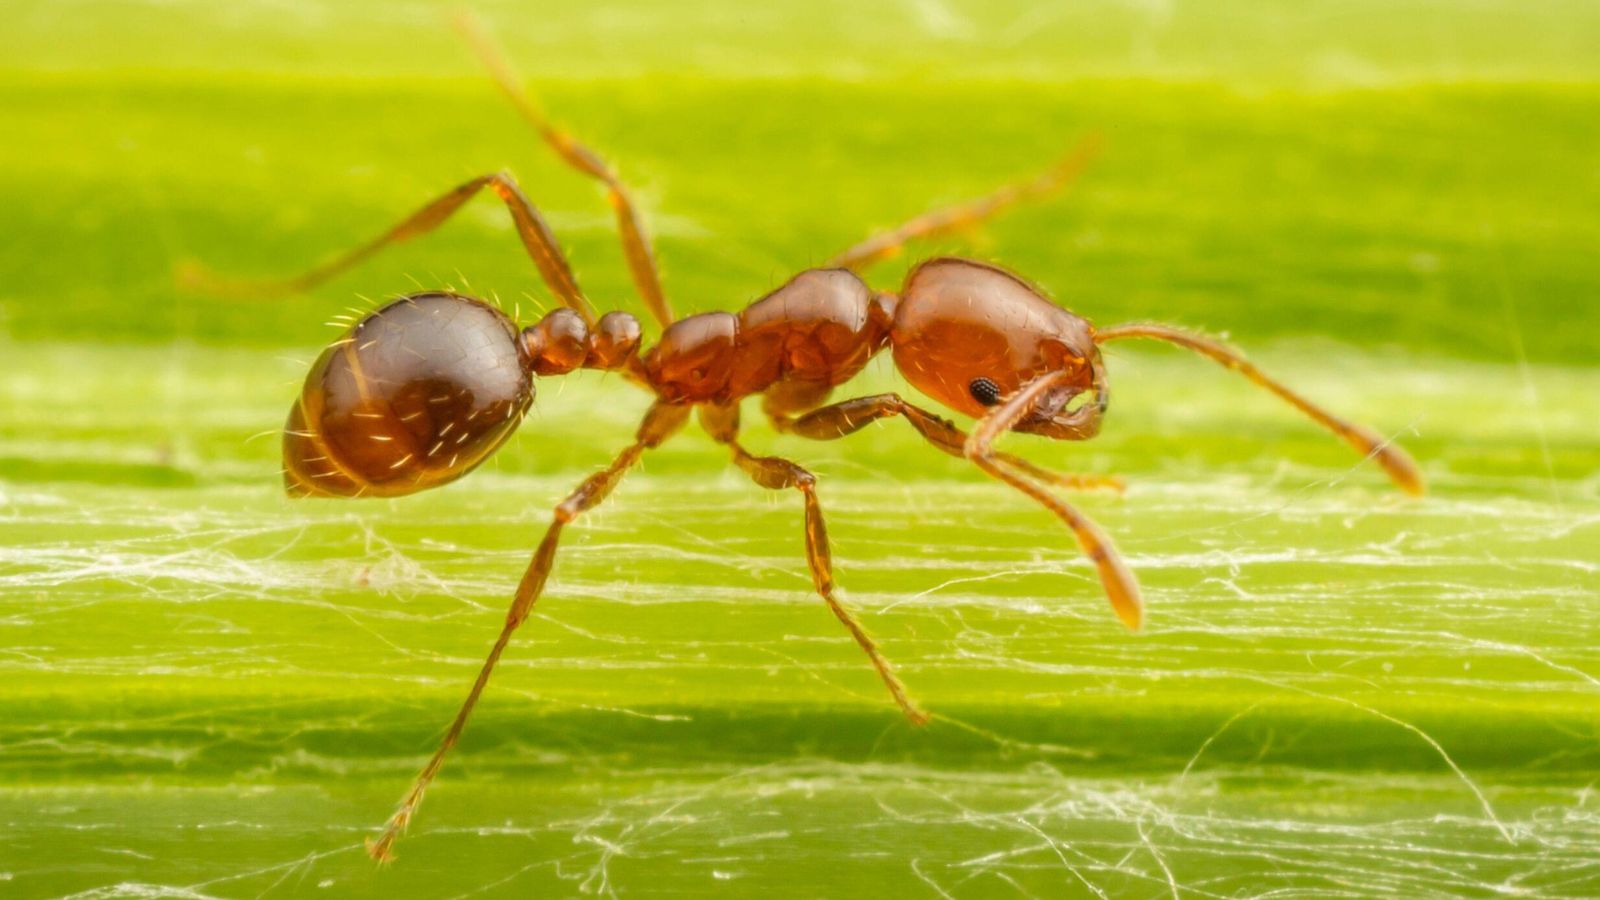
(531, 227)
(722, 423)
(659, 424)
(839, 419)
(849, 416)
(1121, 588)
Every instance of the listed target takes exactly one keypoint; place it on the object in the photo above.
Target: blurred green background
(210, 690)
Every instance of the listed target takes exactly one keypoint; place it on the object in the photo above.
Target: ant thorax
(820, 328)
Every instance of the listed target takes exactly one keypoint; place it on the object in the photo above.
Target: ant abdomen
(418, 393)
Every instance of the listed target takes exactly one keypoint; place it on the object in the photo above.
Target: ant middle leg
(630, 225)
(658, 425)
(535, 233)
(886, 244)
(849, 416)
(774, 473)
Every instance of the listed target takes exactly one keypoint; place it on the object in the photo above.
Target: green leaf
(212, 690)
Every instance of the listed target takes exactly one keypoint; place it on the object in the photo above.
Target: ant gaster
(423, 390)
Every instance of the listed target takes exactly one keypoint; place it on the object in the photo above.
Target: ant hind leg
(630, 225)
(535, 233)
(659, 424)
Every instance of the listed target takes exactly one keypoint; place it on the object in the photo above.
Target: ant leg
(1120, 586)
(635, 245)
(659, 424)
(535, 233)
(722, 423)
(1399, 465)
(886, 244)
(844, 418)
(849, 416)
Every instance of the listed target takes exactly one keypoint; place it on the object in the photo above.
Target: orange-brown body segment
(416, 394)
(818, 330)
(967, 334)
(424, 389)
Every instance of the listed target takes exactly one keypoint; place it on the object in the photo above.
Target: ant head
(969, 335)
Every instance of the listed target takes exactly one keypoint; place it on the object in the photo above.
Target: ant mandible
(423, 390)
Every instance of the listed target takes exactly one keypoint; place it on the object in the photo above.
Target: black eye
(984, 391)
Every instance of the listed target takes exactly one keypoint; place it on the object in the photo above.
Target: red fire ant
(423, 390)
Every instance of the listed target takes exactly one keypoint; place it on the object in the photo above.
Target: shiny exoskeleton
(418, 393)
(424, 389)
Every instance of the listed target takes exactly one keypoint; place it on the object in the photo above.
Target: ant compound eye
(984, 391)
